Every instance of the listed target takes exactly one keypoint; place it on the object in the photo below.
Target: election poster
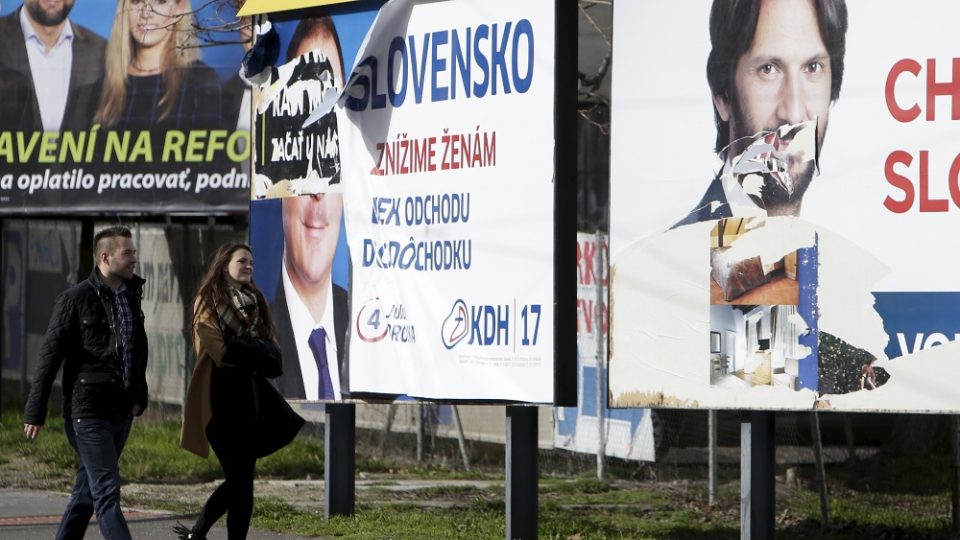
(122, 106)
(785, 179)
(297, 228)
(404, 152)
(163, 319)
(624, 433)
(40, 260)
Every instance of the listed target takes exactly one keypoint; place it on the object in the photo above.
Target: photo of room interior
(742, 276)
(756, 345)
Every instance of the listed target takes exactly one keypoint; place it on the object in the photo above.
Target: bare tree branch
(592, 83)
(592, 105)
(594, 24)
(603, 127)
(205, 28)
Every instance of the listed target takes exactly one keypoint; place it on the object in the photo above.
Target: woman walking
(229, 405)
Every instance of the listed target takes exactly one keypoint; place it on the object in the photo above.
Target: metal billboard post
(522, 473)
(955, 479)
(757, 467)
(339, 460)
(712, 472)
(821, 470)
(522, 441)
(601, 355)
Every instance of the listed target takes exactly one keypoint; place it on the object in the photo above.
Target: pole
(391, 412)
(848, 435)
(461, 440)
(601, 355)
(746, 448)
(24, 288)
(712, 457)
(955, 495)
(419, 423)
(821, 470)
(339, 458)
(522, 473)
(757, 460)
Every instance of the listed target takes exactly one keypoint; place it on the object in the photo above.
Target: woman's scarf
(242, 313)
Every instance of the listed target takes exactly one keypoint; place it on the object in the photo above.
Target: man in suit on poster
(772, 64)
(775, 66)
(310, 312)
(61, 62)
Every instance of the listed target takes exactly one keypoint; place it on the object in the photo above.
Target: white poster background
(507, 238)
(627, 434)
(662, 160)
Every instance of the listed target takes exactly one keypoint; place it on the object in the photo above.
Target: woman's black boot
(183, 533)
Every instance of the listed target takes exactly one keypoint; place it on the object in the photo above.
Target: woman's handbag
(259, 355)
(275, 422)
(266, 419)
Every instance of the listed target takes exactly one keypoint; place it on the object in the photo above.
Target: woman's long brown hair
(214, 287)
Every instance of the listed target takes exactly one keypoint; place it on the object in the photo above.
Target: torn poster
(292, 158)
(758, 263)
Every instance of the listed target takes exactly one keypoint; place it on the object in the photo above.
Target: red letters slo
(905, 185)
(934, 89)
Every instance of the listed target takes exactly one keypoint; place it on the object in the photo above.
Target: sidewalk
(29, 514)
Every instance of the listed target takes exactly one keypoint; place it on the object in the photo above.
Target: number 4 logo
(369, 327)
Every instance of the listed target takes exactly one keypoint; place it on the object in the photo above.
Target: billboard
(415, 193)
(627, 433)
(163, 313)
(782, 183)
(40, 261)
(122, 106)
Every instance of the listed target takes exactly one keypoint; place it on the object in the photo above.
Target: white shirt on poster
(50, 71)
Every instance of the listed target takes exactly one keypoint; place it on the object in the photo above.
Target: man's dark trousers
(98, 442)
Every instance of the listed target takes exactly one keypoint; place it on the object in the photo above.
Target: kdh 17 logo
(489, 325)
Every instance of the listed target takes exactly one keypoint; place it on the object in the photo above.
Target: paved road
(28, 515)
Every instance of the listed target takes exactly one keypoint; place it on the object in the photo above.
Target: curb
(131, 515)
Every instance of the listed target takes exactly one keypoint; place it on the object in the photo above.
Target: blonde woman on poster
(154, 77)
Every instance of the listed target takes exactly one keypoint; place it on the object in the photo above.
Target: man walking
(96, 331)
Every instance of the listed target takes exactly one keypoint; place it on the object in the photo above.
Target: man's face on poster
(49, 12)
(311, 228)
(783, 78)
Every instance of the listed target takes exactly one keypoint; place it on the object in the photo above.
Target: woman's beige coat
(197, 410)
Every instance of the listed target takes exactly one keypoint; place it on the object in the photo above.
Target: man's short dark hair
(732, 25)
(104, 240)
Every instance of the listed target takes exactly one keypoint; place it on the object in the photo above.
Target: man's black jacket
(83, 337)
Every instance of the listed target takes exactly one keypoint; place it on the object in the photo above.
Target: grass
(50, 452)
(394, 522)
(877, 498)
(152, 453)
